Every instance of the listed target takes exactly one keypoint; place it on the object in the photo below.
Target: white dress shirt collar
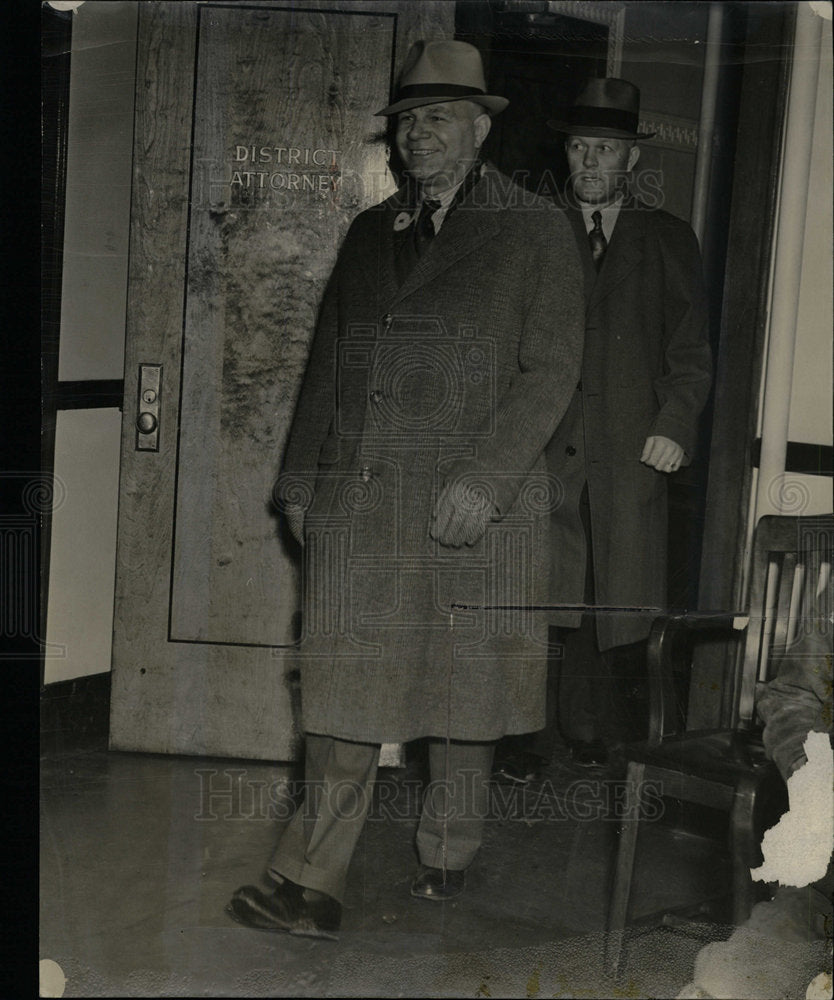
(445, 198)
(609, 215)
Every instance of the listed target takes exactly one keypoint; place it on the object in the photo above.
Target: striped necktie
(596, 237)
(424, 227)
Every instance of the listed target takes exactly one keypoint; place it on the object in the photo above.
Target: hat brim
(494, 105)
(597, 131)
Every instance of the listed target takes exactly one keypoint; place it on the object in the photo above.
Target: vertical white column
(787, 269)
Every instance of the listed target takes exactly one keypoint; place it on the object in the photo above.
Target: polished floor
(140, 853)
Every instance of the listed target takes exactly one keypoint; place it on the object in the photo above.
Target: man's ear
(633, 156)
(482, 125)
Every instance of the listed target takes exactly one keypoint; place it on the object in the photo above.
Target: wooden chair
(724, 769)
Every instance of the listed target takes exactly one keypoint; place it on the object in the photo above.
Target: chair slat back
(789, 592)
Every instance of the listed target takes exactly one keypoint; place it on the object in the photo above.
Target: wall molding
(611, 14)
(673, 132)
(75, 714)
(90, 394)
(801, 458)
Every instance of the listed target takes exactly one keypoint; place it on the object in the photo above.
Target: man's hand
(294, 515)
(662, 453)
(461, 515)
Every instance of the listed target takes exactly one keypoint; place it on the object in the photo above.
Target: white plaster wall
(810, 419)
(82, 556)
(94, 294)
(99, 167)
(811, 395)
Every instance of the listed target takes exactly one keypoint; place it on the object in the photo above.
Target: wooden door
(255, 145)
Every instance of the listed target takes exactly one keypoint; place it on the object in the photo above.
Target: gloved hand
(461, 515)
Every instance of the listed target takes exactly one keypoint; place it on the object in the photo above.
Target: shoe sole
(301, 930)
(246, 916)
(436, 899)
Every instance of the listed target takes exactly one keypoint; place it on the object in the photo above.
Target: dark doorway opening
(538, 63)
(538, 59)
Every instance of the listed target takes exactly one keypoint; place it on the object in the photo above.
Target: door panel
(268, 83)
(255, 145)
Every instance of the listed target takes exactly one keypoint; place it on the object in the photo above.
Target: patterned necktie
(424, 227)
(596, 237)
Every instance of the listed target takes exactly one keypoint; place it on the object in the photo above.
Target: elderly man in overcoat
(646, 374)
(448, 348)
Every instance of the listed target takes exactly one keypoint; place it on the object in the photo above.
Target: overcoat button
(579, 385)
(376, 396)
(570, 450)
(365, 473)
(387, 319)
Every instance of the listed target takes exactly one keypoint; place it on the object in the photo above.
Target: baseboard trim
(75, 713)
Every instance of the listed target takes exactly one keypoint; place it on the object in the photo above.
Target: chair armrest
(701, 621)
(660, 661)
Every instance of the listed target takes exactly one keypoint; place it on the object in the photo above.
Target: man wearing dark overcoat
(447, 350)
(646, 375)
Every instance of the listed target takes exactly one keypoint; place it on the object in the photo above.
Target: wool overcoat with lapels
(462, 370)
(646, 371)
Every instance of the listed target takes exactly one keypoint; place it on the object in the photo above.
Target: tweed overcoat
(463, 370)
(646, 370)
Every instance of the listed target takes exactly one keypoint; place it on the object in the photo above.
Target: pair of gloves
(460, 516)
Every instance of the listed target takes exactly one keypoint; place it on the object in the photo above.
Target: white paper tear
(53, 982)
(822, 8)
(797, 850)
(819, 988)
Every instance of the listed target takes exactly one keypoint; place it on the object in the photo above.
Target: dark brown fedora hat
(605, 108)
(443, 71)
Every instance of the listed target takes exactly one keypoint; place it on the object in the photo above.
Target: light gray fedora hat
(443, 71)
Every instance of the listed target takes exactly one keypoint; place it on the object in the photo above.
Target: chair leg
(618, 909)
(742, 847)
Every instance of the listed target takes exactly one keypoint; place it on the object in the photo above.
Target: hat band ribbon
(446, 90)
(580, 115)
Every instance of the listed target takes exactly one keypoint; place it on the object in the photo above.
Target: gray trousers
(317, 844)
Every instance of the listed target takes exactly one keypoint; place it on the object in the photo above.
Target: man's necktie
(424, 227)
(596, 237)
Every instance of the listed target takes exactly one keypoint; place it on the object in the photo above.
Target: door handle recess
(147, 423)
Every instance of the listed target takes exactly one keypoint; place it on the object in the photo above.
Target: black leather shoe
(437, 883)
(519, 768)
(286, 910)
(589, 753)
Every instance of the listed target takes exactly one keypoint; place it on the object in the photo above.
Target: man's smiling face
(439, 142)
